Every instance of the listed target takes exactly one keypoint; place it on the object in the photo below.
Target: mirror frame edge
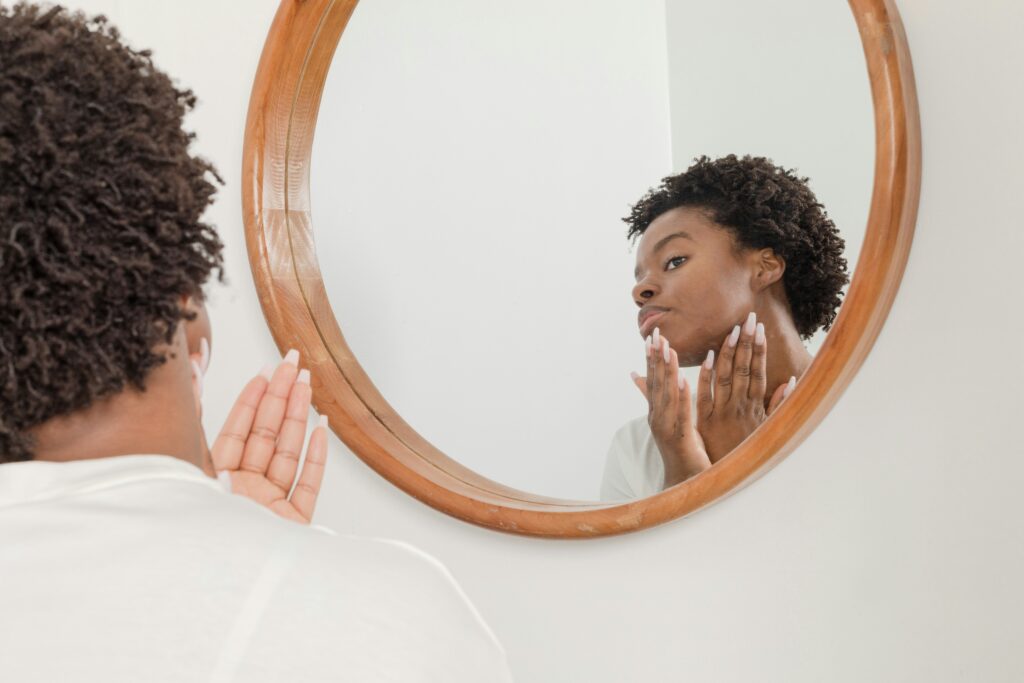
(279, 133)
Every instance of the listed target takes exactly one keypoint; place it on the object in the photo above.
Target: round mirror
(476, 212)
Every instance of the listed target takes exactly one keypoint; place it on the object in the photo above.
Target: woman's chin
(688, 356)
(688, 360)
(691, 353)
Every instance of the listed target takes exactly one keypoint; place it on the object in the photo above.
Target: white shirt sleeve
(633, 467)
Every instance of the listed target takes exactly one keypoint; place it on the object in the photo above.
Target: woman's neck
(161, 420)
(787, 356)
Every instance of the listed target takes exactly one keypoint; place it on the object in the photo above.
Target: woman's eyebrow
(665, 240)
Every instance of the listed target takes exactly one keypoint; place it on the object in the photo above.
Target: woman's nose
(643, 292)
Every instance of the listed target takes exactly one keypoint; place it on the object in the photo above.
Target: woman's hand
(730, 412)
(670, 414)
(261, 441)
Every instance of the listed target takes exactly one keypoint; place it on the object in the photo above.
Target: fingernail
(789, 387)
(748, 327)
(204, 354)
(657, 337)
(682, 381)
(197, 373)
(665, 350)
(709, 362)
(292, 357)
(634, 376)
(735, 336)
(649, 345)
(268, 371)
(303, 377)
(323, 422)
(224, 477)
(759, 335)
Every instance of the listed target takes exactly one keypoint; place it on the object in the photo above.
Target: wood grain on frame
(279, 233)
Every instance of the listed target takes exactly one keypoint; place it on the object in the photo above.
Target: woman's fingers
(307, 490)
(705, 399)
(230, 442)
(759, 367)
(670, 382)
(639, 382)
(723, 370)
(744, 355)
(781, 394)
(262, 438)
(660, 382)
(285, 462)
(652, 382)
(686, 410)
(667, 389)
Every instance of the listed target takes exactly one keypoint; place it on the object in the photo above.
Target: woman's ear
(768, 268)
(198, 331)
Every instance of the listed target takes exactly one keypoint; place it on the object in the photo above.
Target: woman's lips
(648, 321)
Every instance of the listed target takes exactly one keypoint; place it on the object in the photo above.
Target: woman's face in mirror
(692, 282)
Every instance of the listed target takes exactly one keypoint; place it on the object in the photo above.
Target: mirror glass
(472, 166)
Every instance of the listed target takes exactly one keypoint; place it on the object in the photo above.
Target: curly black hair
(763, 206)
(100, 206)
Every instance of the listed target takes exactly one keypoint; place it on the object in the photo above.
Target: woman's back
(142, 568)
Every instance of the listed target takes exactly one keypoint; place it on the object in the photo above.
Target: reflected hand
(261, 442)
(735, 408)
(671, 415)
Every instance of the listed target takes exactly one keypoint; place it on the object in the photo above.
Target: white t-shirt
(142, 568)
(634, 468)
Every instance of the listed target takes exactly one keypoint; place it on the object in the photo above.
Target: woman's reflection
(737, 264)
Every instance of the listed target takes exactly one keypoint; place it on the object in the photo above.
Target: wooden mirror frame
(279, 232)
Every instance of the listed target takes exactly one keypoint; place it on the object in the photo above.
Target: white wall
(471, 165)
(889, 547)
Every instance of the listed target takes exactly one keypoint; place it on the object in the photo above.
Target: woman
(124, 558)
(735, 256)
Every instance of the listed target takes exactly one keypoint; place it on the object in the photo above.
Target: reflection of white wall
(785, 80)
(889, 547)
(472, 163)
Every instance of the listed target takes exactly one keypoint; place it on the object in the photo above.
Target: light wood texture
(279, 232)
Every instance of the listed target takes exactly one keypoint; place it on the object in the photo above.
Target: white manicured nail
(292, 357)
(303, 377)
(735, 336)
(682, 381)
(634, 376)
(197, 373)
(322, 422)
(748, 327)
(224, 477)
(657, 337)
(759, 334)
(268, 371)
(648, 345)
(789, 387)
(665, 349)
(709, 362)
(204, 355)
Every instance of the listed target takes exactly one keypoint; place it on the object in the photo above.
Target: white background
(471, 166)
(888, 547)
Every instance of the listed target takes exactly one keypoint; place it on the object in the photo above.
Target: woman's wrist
(679, 467)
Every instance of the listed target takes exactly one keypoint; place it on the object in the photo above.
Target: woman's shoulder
(634, 434)
(634, 468)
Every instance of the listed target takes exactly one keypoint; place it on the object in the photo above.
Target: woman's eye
(674, 263)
